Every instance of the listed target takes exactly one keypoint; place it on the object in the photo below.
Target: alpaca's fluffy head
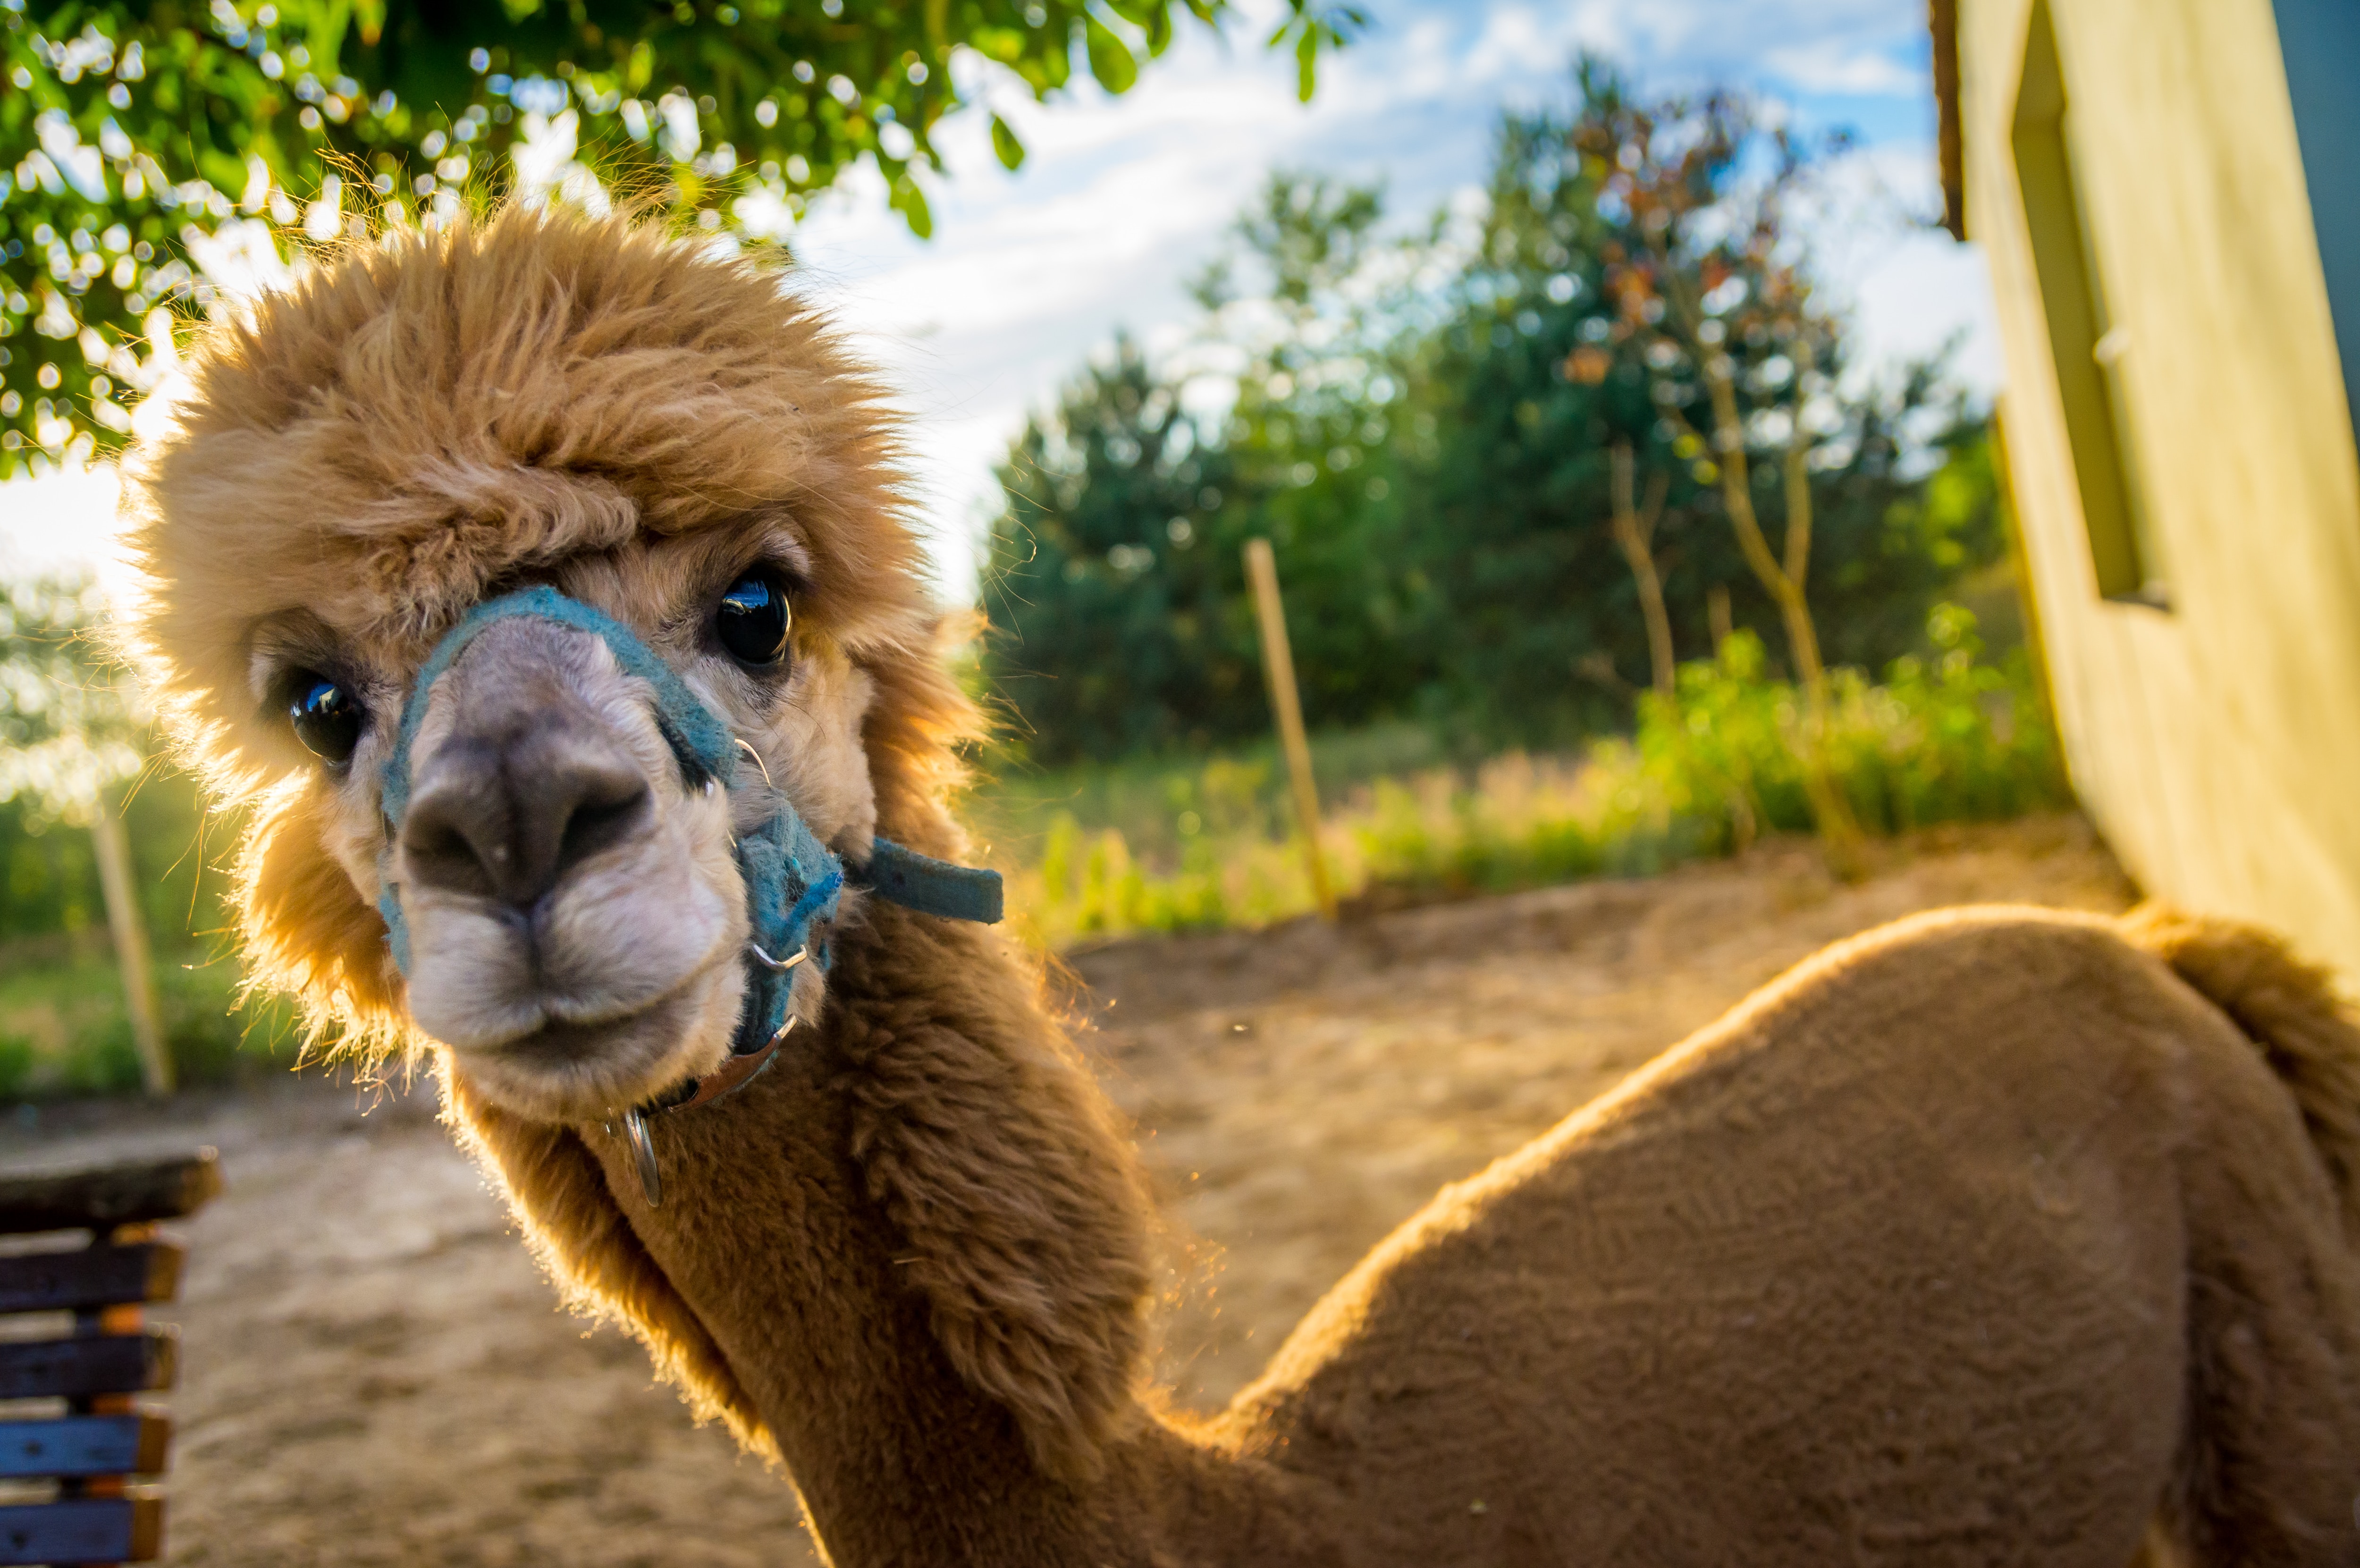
(430, 420)
(427, 421)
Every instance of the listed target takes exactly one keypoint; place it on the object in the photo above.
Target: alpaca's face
(577, 919)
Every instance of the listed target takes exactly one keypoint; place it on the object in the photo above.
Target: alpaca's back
(2270, 1471)
(1902, 1261)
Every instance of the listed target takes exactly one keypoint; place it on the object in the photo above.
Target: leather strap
(734, 1072)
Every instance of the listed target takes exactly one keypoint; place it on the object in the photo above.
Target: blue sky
(1123, 199)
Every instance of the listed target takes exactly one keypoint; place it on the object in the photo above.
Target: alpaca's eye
(752, 619)
(326, 717)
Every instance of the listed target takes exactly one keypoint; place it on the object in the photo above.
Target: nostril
(459, 830)
(511, 821)
(611, 810)
(441, 855)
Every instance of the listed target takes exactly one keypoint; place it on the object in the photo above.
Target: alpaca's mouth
(561, 1044)
(570, 1070)
(496, 986)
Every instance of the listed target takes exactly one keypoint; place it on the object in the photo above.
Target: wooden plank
(89, 1277)
(108, 1196)
(101, 1364)
(83, 1530)
(85, 1445)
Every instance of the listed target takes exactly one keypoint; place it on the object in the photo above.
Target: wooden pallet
(103, 1450)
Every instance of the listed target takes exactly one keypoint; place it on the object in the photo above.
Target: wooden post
(1278, 663)
(130, 946)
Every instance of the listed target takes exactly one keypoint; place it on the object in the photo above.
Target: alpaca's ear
(555, 1189)
(1023, 1217)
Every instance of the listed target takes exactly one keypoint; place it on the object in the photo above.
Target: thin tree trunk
(130, 931)
(1784, 580)
(1635, 532)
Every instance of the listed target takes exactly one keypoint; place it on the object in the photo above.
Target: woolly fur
(431, 417)
(1993, 1237)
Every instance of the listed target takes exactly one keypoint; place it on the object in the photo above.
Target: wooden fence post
(1278, 663)
(115, 878)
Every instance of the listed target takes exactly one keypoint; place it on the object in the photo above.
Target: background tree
(1633, 527)
(1426, 428)
(69, 739)
(1116, 562)
(133, 134)
(1114, 587)
(1321, 319)
(1543, 363)
(1709, 289)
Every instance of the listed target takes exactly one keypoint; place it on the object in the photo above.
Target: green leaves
(131, 133)
(1110, 61)
(1004, 143)
(911, 203)
(1314, 27)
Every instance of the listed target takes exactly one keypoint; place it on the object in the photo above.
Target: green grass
(1948, 737)
(1160, 805)
(65, 1032)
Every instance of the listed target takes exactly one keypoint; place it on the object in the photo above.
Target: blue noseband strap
(931, 887)
(792, 880)
(702, 743)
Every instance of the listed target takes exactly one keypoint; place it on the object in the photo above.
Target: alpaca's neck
(774, 1231)
(766, 1235)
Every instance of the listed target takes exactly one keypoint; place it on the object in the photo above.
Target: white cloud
(1835, 66)
(1928, 292)
(1121, 200)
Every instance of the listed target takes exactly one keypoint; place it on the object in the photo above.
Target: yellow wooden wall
(2217, 744)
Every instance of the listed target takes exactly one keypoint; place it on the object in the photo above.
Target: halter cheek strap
(795, 884)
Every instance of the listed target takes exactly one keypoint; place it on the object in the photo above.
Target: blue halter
(792, 880)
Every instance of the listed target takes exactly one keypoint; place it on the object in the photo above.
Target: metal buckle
(643, 1148)
(780, 965)
(732, 1075)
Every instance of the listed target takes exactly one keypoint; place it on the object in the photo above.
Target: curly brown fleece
(407, 429)
(1997, 1237)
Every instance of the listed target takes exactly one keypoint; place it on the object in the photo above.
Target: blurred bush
(1949, 738)
(64, 1033)
(71, 746)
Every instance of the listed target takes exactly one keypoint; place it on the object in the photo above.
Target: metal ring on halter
(643, 1146)
(782, 965)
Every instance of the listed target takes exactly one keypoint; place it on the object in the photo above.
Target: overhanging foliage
(142, 144)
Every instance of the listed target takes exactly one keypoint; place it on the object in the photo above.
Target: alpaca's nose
(509, 815)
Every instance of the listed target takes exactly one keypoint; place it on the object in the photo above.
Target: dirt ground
(373, 1373)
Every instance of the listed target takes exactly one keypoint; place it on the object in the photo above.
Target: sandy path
(375, 1374)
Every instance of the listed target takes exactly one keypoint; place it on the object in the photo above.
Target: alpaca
(1995, 1237)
